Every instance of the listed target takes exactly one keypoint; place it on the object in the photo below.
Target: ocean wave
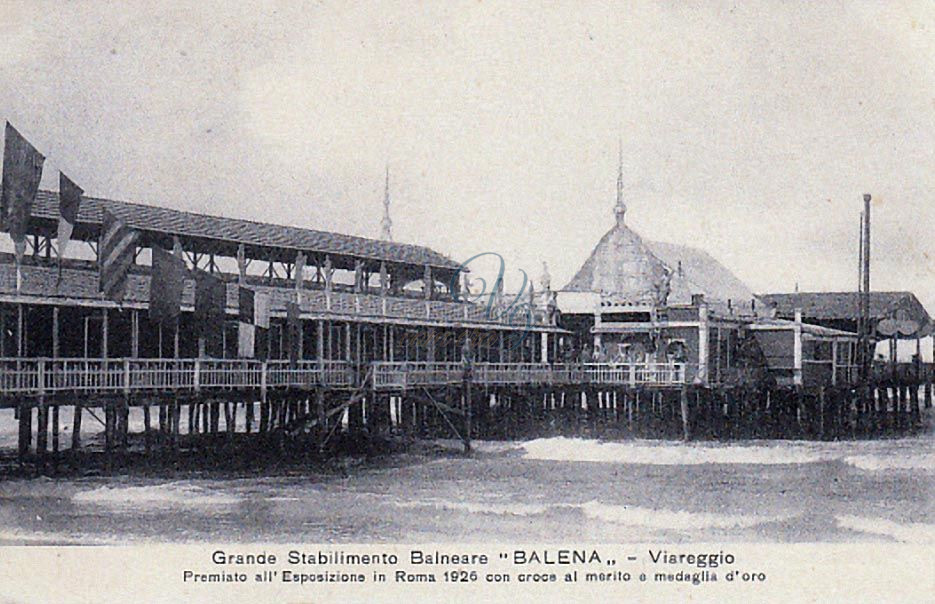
(671, 520)
(498, 509)
(917, 533)
(139, 498)
(670, 453)
(906, 461)
(616, 514)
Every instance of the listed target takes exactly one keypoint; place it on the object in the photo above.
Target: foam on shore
(142, 498)
(670, 453)
(918, 533)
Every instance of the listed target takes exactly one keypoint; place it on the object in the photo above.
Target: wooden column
(42, 430)
(76, 427)
(147, 424)
(55, 330)
(135, 333)
(248, 414)
(55, 429)
(20, 326)
(320, 339)
(104, 332)
(683, 403)
(25, 428)
(320, 408)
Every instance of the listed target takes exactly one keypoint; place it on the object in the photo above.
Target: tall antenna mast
(866, 330)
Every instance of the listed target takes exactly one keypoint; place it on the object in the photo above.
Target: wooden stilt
(42, 429)
(125, 423)
(108, 426)
(683, 404)
(55, 429)
(248, 414)
(192, 419)
(163, 419)
(25, 429)
(468, 411)
(821, 412)
(76, 428)
(264, 416)
(147, 436)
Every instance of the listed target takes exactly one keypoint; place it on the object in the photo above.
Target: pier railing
(39, 375)
(396, 375)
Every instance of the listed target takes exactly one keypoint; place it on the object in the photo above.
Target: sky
(748, 129)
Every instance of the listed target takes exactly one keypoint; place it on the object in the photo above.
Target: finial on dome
(545, 281)
(620, 209)
(386, 226)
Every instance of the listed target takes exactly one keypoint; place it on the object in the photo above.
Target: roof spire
(386, 227)
(620, 209)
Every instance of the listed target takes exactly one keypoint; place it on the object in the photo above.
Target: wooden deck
(43, 376)
(40, 376)
(395, 376)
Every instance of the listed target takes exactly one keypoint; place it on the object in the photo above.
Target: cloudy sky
(748, 129)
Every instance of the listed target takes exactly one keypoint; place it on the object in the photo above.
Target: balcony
(402, 375)
(21, 376)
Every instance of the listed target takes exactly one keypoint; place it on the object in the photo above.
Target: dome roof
(624, 269)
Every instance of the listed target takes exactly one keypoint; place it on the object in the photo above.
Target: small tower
(386, 226)
(545, 281)
(620, 210)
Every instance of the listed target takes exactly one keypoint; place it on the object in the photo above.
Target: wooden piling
(821, 412)
(248, 414)
(147, 425)
(467, 407)
(686, 422)
(42, 429)
(176, 417)
(55, 429)
(76, 427)
(25, 429)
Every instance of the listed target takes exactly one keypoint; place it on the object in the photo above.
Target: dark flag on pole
(165, 287)
(210, 307)
(116, 250)
(293, 330)
(69, 202)
(22, 171)
(246, 329)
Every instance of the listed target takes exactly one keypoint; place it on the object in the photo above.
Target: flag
(253, 322)
(177, 247)
(210, 306)
(116, 251)
(246, 335)
(22, 171)
(242, 264)
(384, 279)
(299, 271)
(261, 309)
(69, 202)
(293, 330)
(165, 287)
(246, 317)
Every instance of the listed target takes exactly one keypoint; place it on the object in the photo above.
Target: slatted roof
(845, 305)
(279, 241)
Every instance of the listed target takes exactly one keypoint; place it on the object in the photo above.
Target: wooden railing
(408, 374)
(81, 283)
(39, 375)
(42, 375)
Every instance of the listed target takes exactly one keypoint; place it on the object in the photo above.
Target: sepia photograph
(335, 290)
